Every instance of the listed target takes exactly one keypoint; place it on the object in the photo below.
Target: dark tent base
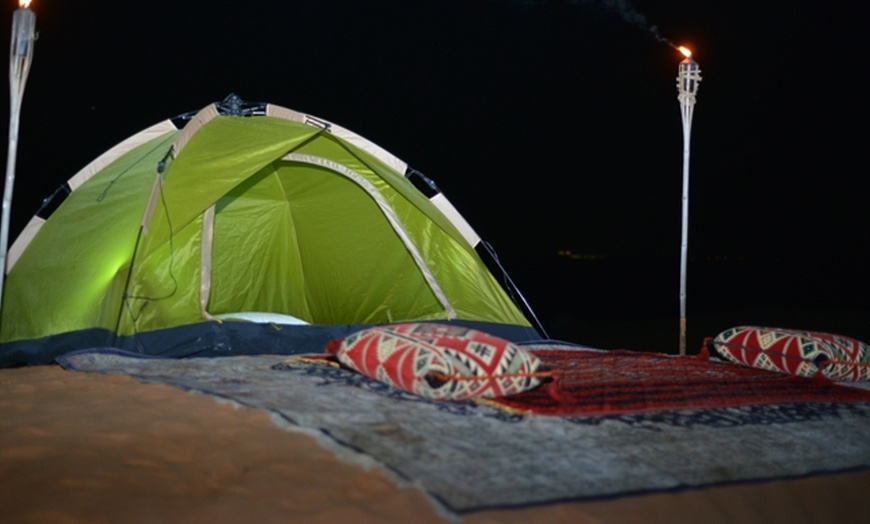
(213, 339)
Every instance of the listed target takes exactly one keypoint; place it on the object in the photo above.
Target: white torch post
(688, 78)
(20, 56)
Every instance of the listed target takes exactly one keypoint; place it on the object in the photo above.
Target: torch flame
(24, 3)
(685, 51)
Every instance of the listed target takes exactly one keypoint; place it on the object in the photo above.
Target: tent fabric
(277, 212)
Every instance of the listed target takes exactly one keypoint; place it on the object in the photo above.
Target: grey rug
(468, 456)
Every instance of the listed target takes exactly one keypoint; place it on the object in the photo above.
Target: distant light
(685, 51)
(567, 253)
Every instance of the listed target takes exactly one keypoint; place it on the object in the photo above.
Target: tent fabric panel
(225, 152)
(473, 291)
(311, 262)
(380, 175)
(356, 268)
(142, 137)
(71, 274)
(345, 135)
(458, 272)
(85, 174)
(164, 288)
(256, 218)
(392, 219)
(23, 240)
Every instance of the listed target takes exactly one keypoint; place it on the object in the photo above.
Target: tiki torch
(20, 56)
(688, 78)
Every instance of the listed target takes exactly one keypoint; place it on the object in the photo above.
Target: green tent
(245, 209)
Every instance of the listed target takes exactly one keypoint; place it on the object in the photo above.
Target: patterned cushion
(803, 353)
(438, 361)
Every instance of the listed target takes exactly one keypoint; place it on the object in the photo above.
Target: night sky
(552, 125)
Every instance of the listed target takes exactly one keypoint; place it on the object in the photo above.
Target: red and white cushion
(439, 361)
(796, 352)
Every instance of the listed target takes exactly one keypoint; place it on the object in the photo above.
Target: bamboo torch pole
(688, 78)
(20, 57)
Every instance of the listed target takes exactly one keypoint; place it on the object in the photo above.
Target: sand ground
(78, 447)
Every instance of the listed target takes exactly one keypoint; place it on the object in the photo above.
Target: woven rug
(470, 456)
(613, 382)
(603, 382)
